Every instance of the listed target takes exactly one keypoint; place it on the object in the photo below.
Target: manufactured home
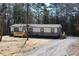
(53, 30)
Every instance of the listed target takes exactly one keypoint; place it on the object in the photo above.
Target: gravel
(56, 47)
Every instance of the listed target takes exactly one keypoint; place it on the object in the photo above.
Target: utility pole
(27, 21)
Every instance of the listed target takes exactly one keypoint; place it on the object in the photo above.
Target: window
(59, 29)
(52, 29)
(42, 30)
(31, 29)
(16, 29)
(47, 30)
(36, 29)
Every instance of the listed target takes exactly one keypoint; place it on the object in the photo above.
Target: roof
(37, 25)
(45, 25)
(17, 25)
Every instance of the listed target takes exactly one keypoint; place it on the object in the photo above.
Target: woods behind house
(66, 14)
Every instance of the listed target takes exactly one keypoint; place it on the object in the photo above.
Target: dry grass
(11, 46)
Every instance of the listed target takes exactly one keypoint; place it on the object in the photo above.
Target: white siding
(24, 29)
(20, 28)
(36, 29)
(55, 30)
(47, 29)
(12, 29)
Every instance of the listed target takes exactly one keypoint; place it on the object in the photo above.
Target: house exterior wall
(38, 30)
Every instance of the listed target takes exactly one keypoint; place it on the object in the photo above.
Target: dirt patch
(12, 46)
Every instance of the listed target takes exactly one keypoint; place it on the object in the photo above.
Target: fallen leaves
(12, 45)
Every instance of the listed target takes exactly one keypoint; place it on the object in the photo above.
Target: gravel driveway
(57, 47)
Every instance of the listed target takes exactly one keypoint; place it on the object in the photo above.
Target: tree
(37, 11)
(2, 20)
(18, 13)
(45, 16)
